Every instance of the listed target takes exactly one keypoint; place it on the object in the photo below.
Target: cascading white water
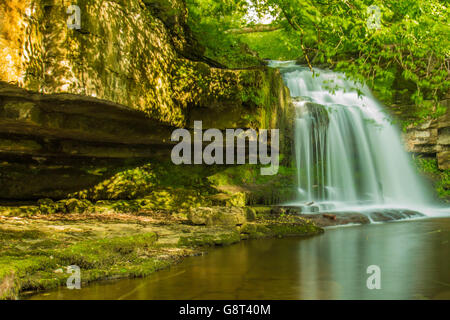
(348, 152)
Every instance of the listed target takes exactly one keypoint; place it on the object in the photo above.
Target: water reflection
(413, 257)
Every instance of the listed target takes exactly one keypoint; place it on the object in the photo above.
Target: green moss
(440, 178)
(75, 205)
(248, 174)
(6, 234)
(279, 229)
(165, 186)
(19, 211)
(287, 229)
(30, 259)
(254, 231)
(258, 189)
(97, 259)
(205, 240)
(105, 252)
(262, 210)
(269, 46)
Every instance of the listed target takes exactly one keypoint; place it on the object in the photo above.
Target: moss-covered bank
(35, 251)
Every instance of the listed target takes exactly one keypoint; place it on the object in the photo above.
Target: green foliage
(99, 258)
(259, 189)
(441, 178)
(210, 20)
(407, 57)
(247, 174)
(273, 45)
(157, 179)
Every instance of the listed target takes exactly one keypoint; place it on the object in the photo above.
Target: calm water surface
(414, 258)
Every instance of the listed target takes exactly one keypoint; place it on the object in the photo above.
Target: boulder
(77, 206)
(46, 206)
(217, 216)
(250, 214)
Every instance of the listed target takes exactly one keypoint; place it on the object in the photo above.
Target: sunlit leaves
(407, 57)
(411, 46)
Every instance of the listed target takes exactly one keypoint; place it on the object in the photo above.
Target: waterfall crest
(348, 152)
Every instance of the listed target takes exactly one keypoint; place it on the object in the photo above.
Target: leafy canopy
(407, 50)
(400, 48)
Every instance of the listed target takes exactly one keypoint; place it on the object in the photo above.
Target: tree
(408, 50)
(399, 48)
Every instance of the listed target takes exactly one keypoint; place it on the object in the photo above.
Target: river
(413, 257)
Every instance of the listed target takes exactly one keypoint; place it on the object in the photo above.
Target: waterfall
(348, 152)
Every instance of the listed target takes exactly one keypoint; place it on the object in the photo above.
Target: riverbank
(412, 255)
(35, 251)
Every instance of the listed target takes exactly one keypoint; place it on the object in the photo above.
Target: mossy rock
(250, 214)
(77, 206)
(237, 199)
(278, 229)
(217, 216)
(293, 229)
(253, 231)
(207, 240)
(19, 211)
(47, 206)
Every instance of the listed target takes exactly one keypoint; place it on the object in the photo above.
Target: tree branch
(257, 28)
(296, 27)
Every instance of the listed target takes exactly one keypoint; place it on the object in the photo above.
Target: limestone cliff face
(136, 53)
(122, 53)
(109, 94)
(432, 139)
